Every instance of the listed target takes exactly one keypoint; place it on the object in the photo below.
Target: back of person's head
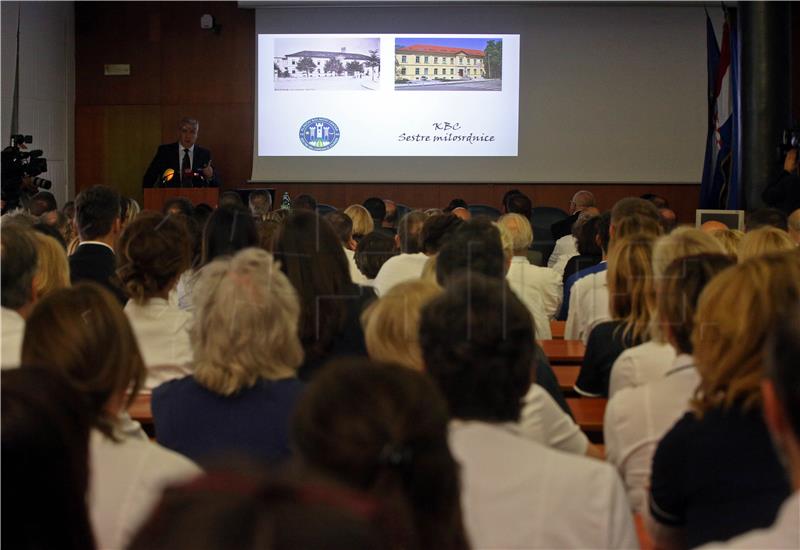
(41, 202)
(202, 212)
(677, 294)
(153, 251)
(475, 247)
(684, 241)
(477, 341)
(456, 203)
(178, 205)
(762, 217)
(363, 224)
(408, 232)
(313, 259)
(793, 223)
(729, 239)
(507, 195)
(383, 429)
(669, 219)
(783, 349)
(373, 251)
(436, 230)
(260, 202)
(631, 287)
(519, 228)
(636, 225)
(342, 225)
(391, 212)
(305, 201)
(267, 231)
(657, 200)
(391, 323)
(97, 210)
(433, 212)
(45, 433)
(50, 231)
(246, 318)
(587, 238)
(53, 267)
(132, 211)
(764, 240)
(88, 339)
(228, 230)
(231, 509)
(580, 200)
(376, 208)
(633, 207)
(521, 204)
(736, 313)
(20, 261)
(231, 199)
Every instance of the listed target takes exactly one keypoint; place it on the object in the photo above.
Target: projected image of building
(317, 66)
(443, 63)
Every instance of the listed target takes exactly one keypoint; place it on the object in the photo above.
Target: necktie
(186, 164)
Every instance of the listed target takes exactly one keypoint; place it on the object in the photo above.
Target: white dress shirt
(535, 305)
(588, 306)
(526, 278)
(637, 418)
(11, 332)
(397, 269)
(517, 493)
(783, 534)
(126, 482)
(355, 274)
(566, 247)
(542, 420)
(640, 365)
(162, 331)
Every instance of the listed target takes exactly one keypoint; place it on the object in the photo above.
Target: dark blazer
(783, 193)
(563, 227)
(167, 157)
(95, 262)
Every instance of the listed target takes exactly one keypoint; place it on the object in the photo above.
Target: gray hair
(246, 324)
(519, 228)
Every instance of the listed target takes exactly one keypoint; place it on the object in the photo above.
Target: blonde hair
(683, 241)
(429, 271)
(729, 239)
(506, 240)
(246, 323)
(391, 324)
(736, 313)
(764, 240)
(630, 284)
(52, 270)
(362, 221)
(520, 230)
(133, 210)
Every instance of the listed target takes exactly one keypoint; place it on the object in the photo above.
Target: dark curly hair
(153, 251)
(478, 344)
(436, 230)
(373, 251)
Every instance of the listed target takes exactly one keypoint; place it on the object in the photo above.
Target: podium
(154, 198)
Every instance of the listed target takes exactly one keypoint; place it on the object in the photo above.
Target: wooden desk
(566, 375)
(563, 351)
(557, 328)
(588, 412)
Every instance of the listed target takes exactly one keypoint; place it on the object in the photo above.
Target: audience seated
(637, 417)
(668, 219)
(436, 230)
(260, 203)
(305, 202)
(764, 240)
(377, 211)
(362, 221)
(383, 430)
(766, 217)
(232, 199)
(651, 360)
(579, 202)
(631, 304)
(311, 256)
(793, 222)
(516, 493)
(90, 341)
(343, 226)
(372, 252)
(391, 323)
(729, 239)
(716, 474)
(153, 253)
(246, 355)
(411, 260)
(97, 215)
(18, 273)
(592, 236)
(780, 393)
(45, 432)
(178, 206)
(131, 210)
(390, 221)
(52, 270)
(524, 277)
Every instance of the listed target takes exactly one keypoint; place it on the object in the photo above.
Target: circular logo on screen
(319, 134)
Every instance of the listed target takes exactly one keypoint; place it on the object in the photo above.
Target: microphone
(166, 177)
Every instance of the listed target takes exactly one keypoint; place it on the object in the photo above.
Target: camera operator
(20, 169)
(784, 192)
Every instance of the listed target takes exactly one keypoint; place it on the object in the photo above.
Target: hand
(208, 171)
(790, 164)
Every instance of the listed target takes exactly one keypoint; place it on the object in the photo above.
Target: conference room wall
(177, 69)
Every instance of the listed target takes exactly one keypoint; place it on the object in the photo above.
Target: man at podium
(182, 164)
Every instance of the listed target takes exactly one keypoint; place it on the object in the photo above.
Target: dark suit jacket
(783, 193)
(563, 227)
(95, 262)
(167, 157)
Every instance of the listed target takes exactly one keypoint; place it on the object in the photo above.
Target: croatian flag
(720, 186)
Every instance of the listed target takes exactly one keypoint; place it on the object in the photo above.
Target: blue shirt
(201, 424)
(572, 279)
